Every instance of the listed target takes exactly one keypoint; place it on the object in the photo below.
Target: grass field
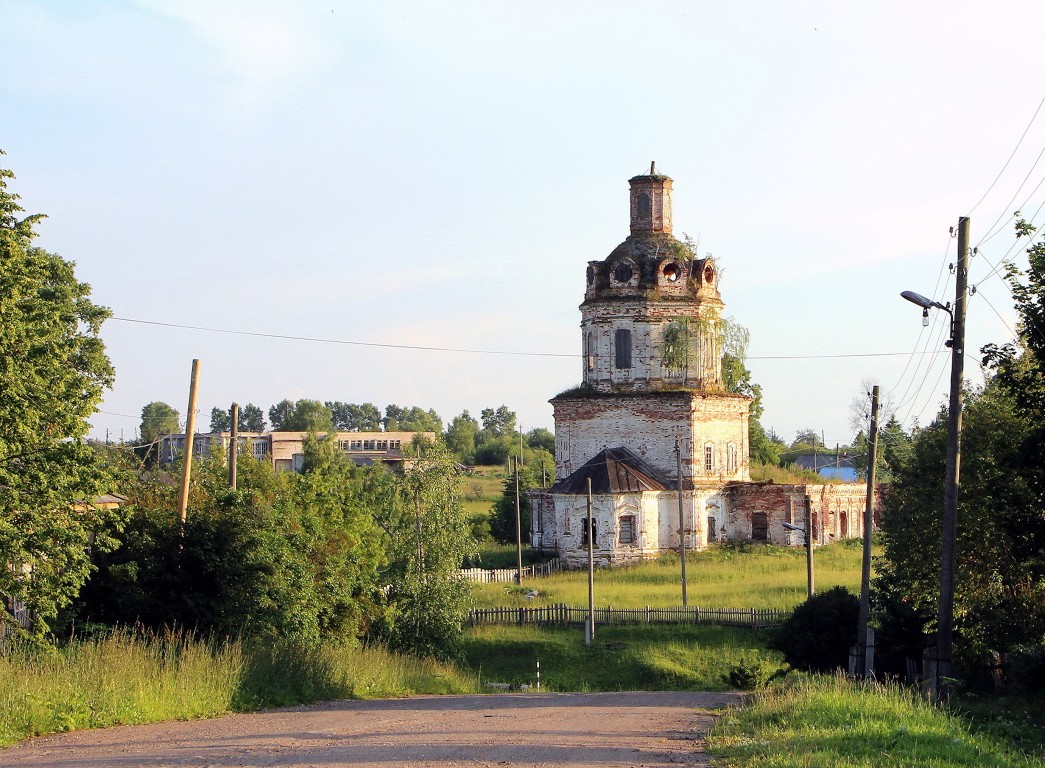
(827, 722)
(721, 577)
(645, 658)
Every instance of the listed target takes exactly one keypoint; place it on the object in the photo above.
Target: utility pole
(233, 444)
(865, 571)
(190, 430)
(810, 588)
(682, 525)
(589, 636)
(949, 533)
(518, 527)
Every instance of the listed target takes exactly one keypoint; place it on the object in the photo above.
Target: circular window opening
(623, 273)
(672, 272)
(591, 275)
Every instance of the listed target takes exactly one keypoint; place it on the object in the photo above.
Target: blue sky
(439, 175)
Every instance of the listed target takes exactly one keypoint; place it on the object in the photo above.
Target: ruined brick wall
(649, 424)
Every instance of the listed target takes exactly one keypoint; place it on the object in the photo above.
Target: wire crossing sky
(423, 181)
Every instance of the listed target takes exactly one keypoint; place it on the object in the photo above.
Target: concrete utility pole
(682, 524)
(864, 659)
(589, 636)
(945, 617)
(190, 430)
(518, 527)
(233, 444)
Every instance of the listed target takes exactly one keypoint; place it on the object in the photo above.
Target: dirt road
(544, 729)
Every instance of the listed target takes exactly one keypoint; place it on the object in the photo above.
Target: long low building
(286, 449)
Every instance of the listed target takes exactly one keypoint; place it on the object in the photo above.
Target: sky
(381, 176)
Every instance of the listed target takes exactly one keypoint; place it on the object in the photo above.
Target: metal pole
(682, 525)
(865, 571)
(190, 429)
(518, 527)
(810, 590)
(949, 533)
(233, 444)
(590, 635)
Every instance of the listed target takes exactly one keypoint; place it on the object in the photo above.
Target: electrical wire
(1011, 155)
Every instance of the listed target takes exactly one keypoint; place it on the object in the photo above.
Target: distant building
(652, 414)
(827, 465)
(286, 449)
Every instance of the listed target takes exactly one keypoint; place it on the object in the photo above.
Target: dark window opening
(624, 272)
(759, 526)
(644, 206)
(623, 344)
(712, 531)
(590, 351)
(591, 275)
(594, 532)
(672, 272)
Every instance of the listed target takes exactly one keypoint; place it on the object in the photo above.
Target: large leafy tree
(53, 371)
(411, 419)
(251, 419)
(353, 417)
(158, 419)
(420, 510)
(460, 437)
(301, 416)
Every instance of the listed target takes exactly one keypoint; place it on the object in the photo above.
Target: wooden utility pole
(865, 571)
(949, 533)
(682, 523)
(589, 636)
(190, 430)
(233, 444)
(810, 587)
(518, 527)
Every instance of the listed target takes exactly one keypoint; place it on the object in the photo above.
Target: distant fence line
(507, 575)
(562, 614)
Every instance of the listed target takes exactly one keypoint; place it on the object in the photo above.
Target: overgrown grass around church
(127, 678)
(827, 722)
(724, 576)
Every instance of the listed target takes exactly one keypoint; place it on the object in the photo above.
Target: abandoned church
(652, 429)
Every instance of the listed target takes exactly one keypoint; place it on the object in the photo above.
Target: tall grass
(727, 576)
(127, 678)
(827, 722)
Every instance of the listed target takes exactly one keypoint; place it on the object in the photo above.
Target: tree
(460, 437)
(220, 420)
(542, 438)
(53, 371)
(819, 633)
(498, 422)
(412, 419)
(420, 510)
(301, 416)
(355, 418)
(251, 419)
(807, 438)
(502, 521)
(158, 419)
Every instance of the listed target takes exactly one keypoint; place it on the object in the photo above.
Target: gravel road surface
(538, 729)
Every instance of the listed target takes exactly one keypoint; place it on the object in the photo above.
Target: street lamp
(809, 550)
(938, 679)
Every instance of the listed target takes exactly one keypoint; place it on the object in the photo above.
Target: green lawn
(720, 577)
(650, 658)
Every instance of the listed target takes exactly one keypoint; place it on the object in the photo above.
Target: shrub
(818, 635)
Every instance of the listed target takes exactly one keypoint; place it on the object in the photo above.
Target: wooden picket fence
(507, 575)
(564, 615)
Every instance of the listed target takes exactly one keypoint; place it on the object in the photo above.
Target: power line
(1011, 155)
(319, 340)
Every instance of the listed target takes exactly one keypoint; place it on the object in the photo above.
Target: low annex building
(652, 413)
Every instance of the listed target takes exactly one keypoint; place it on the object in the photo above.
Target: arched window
(589, 351)
(622, 341)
